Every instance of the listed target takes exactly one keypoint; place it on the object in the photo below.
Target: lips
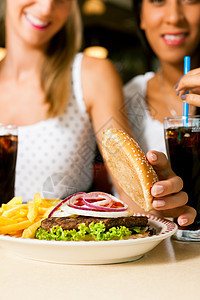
(174, 39)
(36, 23)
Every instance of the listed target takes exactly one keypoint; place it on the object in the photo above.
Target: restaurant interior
(110, 24)
(127, 269)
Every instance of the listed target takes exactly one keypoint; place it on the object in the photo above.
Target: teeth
(174, 37)
(35, 21)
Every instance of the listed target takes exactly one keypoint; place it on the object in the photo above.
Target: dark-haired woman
(170, 29)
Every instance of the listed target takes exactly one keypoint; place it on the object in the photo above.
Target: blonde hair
(56, 69)
(55, 73)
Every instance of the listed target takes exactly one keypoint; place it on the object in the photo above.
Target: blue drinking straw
(186, 105)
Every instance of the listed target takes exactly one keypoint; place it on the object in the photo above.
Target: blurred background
(110, 24)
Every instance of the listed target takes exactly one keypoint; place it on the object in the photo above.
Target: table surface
(169, 271)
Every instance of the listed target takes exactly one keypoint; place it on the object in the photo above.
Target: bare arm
(102, 89)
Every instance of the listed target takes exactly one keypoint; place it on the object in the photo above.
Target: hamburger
(100, 216)
(129, 165)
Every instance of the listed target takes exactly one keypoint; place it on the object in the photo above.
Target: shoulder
(99, 76)
(98, 69)
(138, 82)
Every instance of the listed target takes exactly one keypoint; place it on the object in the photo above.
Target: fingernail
(157, 190)
(184, 97)
(154, 157)
(177, 93)
(176, 85)
(183, 221)
(159, 203)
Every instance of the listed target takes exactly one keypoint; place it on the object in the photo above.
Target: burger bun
(129, 166)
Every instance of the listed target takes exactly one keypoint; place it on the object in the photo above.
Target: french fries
(20, 219)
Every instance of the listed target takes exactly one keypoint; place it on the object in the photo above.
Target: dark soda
(8, 155)
(183, 148)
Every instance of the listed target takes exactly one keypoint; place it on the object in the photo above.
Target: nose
(174, 12)
(46, 6)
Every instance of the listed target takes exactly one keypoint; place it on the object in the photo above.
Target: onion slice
(94, 204)
(61, 203)
(108, 203)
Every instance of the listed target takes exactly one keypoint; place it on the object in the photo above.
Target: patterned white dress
(55, 156)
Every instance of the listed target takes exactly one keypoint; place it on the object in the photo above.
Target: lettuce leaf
(95, 232)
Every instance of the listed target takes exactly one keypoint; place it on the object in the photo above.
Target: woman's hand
(169, 199)
(190, 82)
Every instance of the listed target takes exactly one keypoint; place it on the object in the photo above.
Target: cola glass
(8, 156)
(182, 137)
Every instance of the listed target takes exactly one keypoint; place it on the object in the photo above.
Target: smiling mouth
(174, 37)
(36, 22)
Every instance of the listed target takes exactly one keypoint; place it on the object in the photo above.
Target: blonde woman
(61, 100)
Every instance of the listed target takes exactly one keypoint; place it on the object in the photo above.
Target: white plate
(94, 252)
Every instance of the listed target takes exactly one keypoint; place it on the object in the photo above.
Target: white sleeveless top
(55, 156)
(148, 132)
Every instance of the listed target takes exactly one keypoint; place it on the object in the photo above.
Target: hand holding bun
(129, 165)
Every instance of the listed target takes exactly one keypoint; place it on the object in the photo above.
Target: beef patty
(69, 223)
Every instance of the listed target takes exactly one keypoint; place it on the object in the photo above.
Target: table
(170, 271)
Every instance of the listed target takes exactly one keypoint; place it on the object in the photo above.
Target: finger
(189, 81)
(176, 85)
(195, 91)
(167, 187)
(160, 164)
(191, 99)
(193, 72)
(190, 73)
(185, 215)
(170, 202)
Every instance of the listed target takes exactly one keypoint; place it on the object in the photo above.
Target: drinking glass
(182, 138)
(8, 156)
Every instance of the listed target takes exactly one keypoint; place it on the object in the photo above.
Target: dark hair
(2, 23)
(136, 7)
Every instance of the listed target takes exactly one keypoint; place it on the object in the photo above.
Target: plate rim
(169, 228)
